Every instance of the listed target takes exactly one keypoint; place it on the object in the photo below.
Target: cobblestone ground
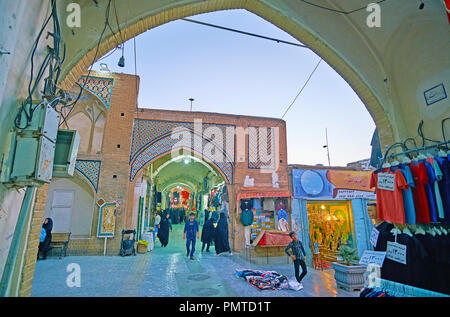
(167, 272)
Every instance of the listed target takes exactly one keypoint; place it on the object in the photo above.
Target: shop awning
(260, 192)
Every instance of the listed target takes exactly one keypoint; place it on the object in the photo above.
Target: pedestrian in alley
(298, 256)
(45, 244)
(163, 230)
(191, 233)
(207, 234)
(221, 235)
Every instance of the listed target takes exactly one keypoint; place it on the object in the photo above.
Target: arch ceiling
(389, 67)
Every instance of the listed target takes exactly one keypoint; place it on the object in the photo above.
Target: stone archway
(382, 112)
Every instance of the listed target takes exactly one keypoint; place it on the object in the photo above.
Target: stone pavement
(167, 272)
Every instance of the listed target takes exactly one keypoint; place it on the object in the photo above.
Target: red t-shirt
(390, 203)
(419, 196)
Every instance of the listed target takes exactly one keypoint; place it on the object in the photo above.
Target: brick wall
(33, 242)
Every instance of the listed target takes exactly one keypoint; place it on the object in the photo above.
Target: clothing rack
(406, 151)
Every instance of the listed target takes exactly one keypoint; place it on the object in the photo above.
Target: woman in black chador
(44, 245)
(221, 235)
(207, 234)
(163, 229)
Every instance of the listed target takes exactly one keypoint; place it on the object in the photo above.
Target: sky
(227, 72)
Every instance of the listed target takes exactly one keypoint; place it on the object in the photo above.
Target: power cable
(301, 89)
(338, 11)
(72, 105)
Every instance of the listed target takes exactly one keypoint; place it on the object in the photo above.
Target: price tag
(396, 252)
(372, 257)
(386, 181)
(374, 236)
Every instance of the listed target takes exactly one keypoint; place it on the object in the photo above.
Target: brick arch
(270, 14)
(226, 170)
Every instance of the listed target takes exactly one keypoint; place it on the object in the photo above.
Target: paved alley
(167, 272)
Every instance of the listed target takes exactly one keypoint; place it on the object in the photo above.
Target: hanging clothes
(429, 190)
(437, 193)
(444, 186)
(420, 175)
(408, 200)
(390, 202)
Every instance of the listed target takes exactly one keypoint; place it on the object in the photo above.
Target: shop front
(265, 214)
(330, 210)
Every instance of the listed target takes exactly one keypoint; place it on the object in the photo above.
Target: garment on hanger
(444, 186)
(257, 203)
(390, 202)
(408, 200)
(429, 190)
(420, 176)
(269, 204)
(436, 189)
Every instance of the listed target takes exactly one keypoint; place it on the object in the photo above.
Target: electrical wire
(244, 32)
(72, 105)
(315, 68)
(338, 11)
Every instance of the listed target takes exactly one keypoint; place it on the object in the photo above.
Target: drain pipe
(12, 273)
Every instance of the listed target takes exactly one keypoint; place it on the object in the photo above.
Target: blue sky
(233, 73)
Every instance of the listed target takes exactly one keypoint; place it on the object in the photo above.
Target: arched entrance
(177, 185)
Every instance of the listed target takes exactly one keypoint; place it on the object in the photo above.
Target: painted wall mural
(153, 138)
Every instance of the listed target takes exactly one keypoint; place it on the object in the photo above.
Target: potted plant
(349, 275)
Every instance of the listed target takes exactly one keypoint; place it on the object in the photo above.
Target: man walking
(191, 232)
(298, 256)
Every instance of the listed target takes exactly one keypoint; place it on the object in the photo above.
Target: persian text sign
(374, 236)
(386, 181)
(396, 252)
(372, 257)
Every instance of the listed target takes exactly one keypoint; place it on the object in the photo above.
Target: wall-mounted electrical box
(67, 143)
(29, 159)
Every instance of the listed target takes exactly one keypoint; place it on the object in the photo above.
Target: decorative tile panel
(152, 138)
(101, 87)
(261, 157)
(90, 169)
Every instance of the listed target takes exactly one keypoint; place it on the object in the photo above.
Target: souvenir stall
(330, 210)
(264, 213)
(413, 205)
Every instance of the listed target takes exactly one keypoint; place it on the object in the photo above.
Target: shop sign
(349, 194)
(372, 257)
(374, 236)
(386, 181)
(396, 252)
(331, 184)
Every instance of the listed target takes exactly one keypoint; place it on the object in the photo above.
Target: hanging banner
(386, 181)
(396, 252)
